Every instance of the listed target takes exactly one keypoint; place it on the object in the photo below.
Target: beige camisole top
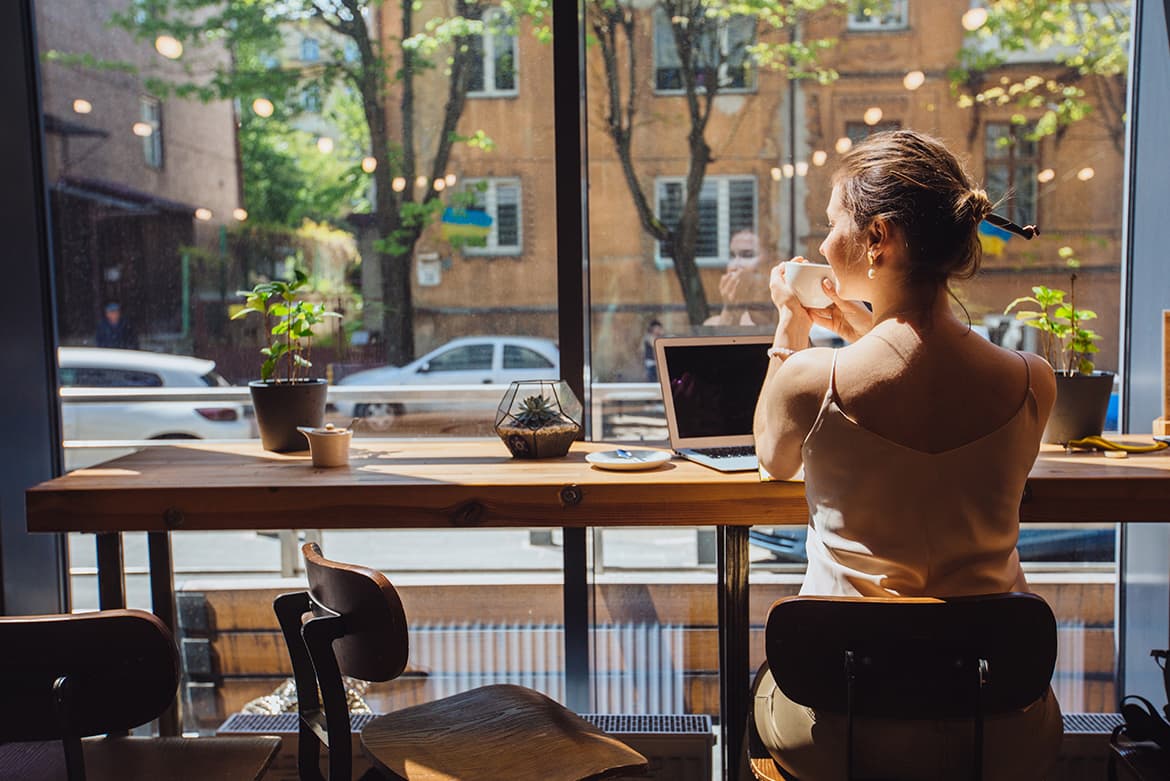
(889, 520)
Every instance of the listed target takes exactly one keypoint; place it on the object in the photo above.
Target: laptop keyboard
(727, 452)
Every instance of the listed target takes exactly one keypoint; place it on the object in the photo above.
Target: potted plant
(539, 418)
(286, 396)
(1082, 394)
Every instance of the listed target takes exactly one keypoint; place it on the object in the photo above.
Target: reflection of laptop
(709, 387)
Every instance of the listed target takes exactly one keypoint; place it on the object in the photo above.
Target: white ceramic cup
(805, 281)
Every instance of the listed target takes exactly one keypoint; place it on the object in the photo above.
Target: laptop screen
(714, 384)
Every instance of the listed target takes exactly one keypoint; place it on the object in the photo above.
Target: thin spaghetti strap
(831, 393)
(1027, 371)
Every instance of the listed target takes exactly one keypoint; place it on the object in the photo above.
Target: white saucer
(637, 459)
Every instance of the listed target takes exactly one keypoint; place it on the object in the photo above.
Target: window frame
(490, 195)
(723, 215)
(900, 8)
(487, 52)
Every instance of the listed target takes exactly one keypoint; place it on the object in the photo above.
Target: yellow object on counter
(1109, 446)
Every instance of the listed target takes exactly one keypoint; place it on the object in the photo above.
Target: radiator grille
(617, 724)
(1091, 723)
(638, 667)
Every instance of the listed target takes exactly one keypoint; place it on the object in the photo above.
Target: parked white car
(468, 360)
(96, 368)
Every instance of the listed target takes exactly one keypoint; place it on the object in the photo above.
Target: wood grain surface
(475, 483)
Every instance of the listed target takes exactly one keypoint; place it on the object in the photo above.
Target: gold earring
(872, 272)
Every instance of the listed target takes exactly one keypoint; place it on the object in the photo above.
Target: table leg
(576, 610)
(111, 572)
(734, 640)
(162, 602)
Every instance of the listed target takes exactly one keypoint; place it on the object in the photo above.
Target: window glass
(149, 127)
(879, 15)
(471, 357)
(336, 139)
(692, 205)
(491, 220)
(1012, 168)
(523, 358)
(727, 205)
(493, 56)
(91, 377)
(719, 49)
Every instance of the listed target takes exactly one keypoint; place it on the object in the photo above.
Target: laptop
(710, 385)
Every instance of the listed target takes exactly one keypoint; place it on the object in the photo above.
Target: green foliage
(537, 412)
(1085, 39)
(1067, 344)
(289, 321)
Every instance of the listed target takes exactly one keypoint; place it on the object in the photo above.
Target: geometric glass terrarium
(539, 418)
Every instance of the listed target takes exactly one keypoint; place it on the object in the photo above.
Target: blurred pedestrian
(114, 331)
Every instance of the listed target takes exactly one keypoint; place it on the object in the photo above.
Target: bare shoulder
(806, 372)
(1043, 379)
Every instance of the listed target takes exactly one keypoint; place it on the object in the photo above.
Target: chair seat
(133, 758)
(494, 733)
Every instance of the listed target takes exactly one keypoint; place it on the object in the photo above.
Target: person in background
(743, 287)
(649, 358)
(114, 331)
(916, 441)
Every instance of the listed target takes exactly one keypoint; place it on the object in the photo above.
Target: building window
(311, 99)
(868, 15)
(723, 53)
(492, 219)
(727, 205)
(859, 131)
(150, 114)
(493, 69)
(310, 49)
(1011, 164)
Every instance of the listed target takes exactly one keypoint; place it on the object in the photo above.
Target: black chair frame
(325, 719)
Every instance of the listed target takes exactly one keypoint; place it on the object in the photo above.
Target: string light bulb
(82, 106)
(169, 47)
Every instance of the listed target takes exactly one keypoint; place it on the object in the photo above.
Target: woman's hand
(850, 320)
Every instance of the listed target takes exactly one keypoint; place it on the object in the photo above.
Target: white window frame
(659, 18)
(150, 113)
(722, 183)
(897, 18)
(490, 199)
(488, 51)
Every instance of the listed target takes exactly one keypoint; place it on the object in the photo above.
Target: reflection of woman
(915, 441)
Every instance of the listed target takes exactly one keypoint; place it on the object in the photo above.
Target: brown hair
(914, 182)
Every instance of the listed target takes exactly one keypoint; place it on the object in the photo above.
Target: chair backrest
(121, 667)
(913, 658)
(376, 644)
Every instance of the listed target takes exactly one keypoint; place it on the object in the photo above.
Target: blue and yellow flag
(992, 238)
(470, 226)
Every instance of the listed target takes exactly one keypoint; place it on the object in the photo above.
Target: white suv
(95, 368)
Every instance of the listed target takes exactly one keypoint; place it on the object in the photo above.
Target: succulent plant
(537, 412)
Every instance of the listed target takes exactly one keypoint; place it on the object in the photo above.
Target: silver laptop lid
(710, 385)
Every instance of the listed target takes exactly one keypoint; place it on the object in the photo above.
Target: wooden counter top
(433, 483)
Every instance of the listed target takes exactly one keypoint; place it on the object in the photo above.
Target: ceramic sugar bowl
(328, 446)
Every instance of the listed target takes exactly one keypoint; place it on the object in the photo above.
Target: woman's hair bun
(973, 204)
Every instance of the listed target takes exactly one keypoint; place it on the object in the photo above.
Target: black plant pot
(282, 406)
(1082, 402)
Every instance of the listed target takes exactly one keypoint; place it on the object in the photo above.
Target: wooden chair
(912, 658)
(65, 677)
(351, 622)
